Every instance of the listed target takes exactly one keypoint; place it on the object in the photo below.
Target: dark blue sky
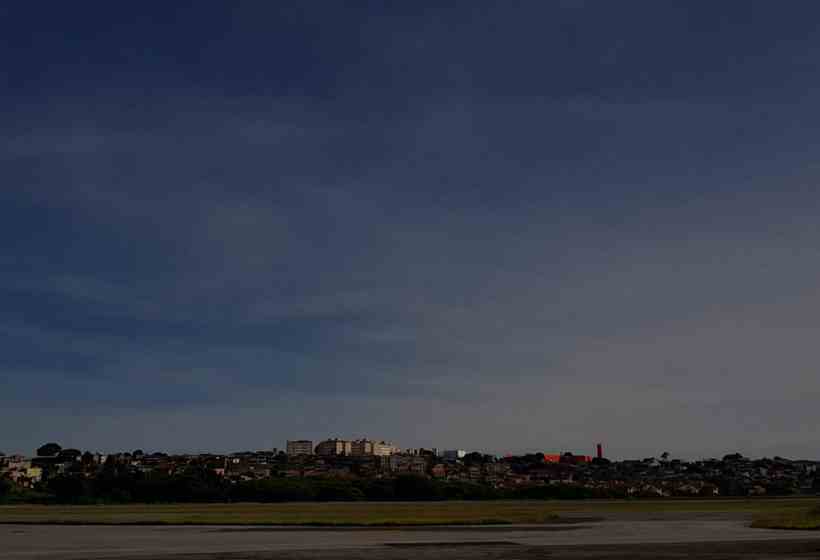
(517, 226)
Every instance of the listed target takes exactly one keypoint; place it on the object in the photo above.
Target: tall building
(299, 447)
(453, 454)
(361, 447)
(384, 449)
(334, 447)
(364, 447)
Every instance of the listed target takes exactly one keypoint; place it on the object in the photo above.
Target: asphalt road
(614, 537)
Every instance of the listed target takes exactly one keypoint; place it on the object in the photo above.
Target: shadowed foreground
(618, 535)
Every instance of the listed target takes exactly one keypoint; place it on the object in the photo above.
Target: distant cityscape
(553, 474)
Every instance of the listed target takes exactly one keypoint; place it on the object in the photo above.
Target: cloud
(496, 271)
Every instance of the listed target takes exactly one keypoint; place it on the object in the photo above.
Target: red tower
(600, 449)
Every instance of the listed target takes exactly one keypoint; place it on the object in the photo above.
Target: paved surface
(18, 542)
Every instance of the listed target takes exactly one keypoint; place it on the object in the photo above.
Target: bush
(338, 491)
(414, 487)
(5, 488)
(558, 491)
(70, 490)
(376, 489)
(273, 490)
(469, 491)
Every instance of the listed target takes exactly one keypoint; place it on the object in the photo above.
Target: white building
(362, 447)
(383, 449)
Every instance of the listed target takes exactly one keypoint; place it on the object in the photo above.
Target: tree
(88, 463)
(415, 487)
(5, 488)
(476, 457)
(49, 450)
(69, 455)
(665, 456)
(69, 489)
(337, 491)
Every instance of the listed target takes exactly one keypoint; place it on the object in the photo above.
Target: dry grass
(806, 521)
(391, 513)
(321, 514)
(755, 506)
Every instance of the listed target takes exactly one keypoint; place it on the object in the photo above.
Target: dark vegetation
(72, 477)
(5, 488)
(203, 486)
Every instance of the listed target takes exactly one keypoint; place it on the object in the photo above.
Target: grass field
(806, 521)
(756, 506)
(336, 513)
(386, 514)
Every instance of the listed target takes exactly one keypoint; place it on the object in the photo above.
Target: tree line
(203, 486)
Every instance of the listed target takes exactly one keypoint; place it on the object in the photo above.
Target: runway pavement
(27, 542)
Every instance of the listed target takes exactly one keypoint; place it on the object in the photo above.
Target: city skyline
(348, 447)
(471, 225)
(341, 471)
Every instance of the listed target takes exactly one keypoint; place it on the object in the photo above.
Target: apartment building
(384, 449)
(334, 447)
(366, 447)
(361, 447)
(299, 447)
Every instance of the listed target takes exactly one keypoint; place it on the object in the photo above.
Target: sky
(512, 227)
